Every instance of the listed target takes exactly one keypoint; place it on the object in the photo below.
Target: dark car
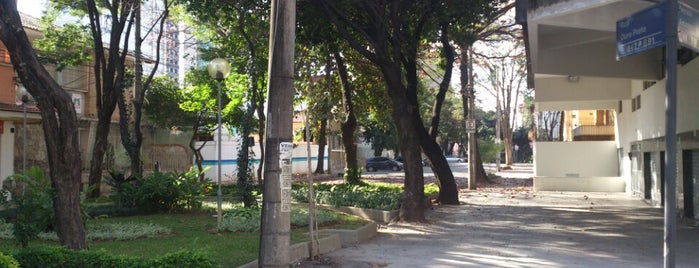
(378, 163)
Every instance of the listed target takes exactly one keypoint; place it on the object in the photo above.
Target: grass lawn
(191, 231)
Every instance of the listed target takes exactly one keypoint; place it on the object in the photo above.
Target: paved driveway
(499, 227)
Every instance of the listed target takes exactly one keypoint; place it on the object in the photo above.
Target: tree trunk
(98, 151)
(59, 123)
(481, 175)
(411, 209)
(406, 115)
(322, 141)
(349, 126)
(507, 139)
(448, 192)
(198, 158)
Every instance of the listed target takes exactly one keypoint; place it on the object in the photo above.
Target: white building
(573, 53)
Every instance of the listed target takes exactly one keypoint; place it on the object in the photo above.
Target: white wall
(229, 156)
(649, 121)
(560, 89)
(7, 151)
(580, 158)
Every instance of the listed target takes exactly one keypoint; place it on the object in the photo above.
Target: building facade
(21, 136)
(572, 45)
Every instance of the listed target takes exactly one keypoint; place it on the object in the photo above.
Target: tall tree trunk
(448, 192)
(109, 72)
(198, 157)
(349, 126)
(411, 208)
(59, 123)
(507, 139)
(257, 101)
(322, 141)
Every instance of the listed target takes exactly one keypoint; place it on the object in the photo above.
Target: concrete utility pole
(471, 135)
(275, 223)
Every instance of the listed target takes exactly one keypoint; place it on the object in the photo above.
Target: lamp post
(25, 99)
(218, 69)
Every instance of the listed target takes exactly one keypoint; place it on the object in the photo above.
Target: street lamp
(23, 95)
(218, 69)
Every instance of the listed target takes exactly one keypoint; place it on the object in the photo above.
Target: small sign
(470, 125)
(285, 165)
(645, 30)
(642, 31)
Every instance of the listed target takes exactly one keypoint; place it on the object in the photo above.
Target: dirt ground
(509, 225)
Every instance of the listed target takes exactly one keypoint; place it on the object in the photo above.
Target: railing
(593, 133)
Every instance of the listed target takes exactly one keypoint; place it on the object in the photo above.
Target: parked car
(450, 159)
(379, 163)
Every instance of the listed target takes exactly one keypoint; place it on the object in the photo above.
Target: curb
(333, 239)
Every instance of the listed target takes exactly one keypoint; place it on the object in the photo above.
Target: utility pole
(472, 134)
(275, 222)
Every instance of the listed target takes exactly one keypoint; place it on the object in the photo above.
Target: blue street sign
(641, 31)
(645, 30)
(688, 27)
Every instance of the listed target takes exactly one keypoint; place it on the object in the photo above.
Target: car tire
(395, 168)
(370, 169)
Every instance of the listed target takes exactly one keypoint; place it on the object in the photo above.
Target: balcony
(593, 133)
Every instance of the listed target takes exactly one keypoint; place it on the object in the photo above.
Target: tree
(110, 71)
(505, 80)
(388, 34)
(466, 33)
(130, 108)
(169, 107)
(237, 29)
(193, 108)
(59, 123)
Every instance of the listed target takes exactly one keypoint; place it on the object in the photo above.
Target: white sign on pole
(285, 162)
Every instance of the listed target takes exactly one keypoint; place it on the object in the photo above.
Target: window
(621, 106)
(4, 55)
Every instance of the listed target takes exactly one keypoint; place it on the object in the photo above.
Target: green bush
(353, 175)
(373, 196)
(8, 261)
(489, 150)
(248, 219)
(159, 191)
(59, 257)
(32, 198)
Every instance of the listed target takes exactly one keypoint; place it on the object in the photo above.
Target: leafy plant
(49, 257)
(374, 196)
(32, 198)
(160, 191)
(7, 261)
(353, 175)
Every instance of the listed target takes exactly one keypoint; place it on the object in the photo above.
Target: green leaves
(65, 45)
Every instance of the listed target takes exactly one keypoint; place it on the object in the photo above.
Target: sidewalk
(519, 228)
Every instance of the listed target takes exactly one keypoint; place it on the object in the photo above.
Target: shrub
(32, 198)
(248, 219)
(50, 257)
(353, 175)
(96, 230)
(8, 261)
(159, 191)
(363, 195)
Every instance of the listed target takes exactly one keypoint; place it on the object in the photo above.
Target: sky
(31, 7)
